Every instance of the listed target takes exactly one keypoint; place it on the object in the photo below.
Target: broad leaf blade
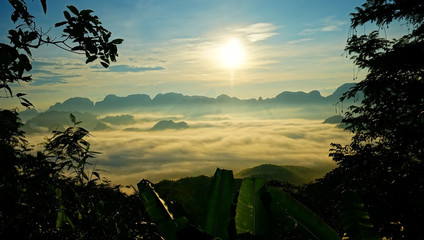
(251, 216)
(355, 218)
(157, 210)
(280, 203)
(218, 215)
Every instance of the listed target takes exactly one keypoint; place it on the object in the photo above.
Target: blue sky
(175, 46)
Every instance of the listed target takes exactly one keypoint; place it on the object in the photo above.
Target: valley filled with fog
(182, 136)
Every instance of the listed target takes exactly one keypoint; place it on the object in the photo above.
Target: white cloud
(258, 31)
(328, 24)
(129, 157)
(299, 40)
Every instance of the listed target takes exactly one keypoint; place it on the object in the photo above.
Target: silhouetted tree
(383, 163)
(82, 34)
(39, 199)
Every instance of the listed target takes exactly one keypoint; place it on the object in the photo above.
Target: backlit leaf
(218, 214)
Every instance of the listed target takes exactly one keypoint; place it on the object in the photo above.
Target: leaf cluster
(257, 211)
(42, 201)
(383, 160)
(83, 33)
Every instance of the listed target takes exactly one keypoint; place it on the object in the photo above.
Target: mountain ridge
(112, 103)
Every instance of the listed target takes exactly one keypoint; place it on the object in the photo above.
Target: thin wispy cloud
(55, 79)
(328, 24)
(45, 73)
(258, 31)
(126, 68)
(300, 40)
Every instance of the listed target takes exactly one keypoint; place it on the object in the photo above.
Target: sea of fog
(129, 153)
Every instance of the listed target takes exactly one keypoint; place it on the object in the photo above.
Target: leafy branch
(83, 33)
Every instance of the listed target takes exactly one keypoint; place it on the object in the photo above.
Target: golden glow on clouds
(131, 152)
(232, 53)
(130, 156)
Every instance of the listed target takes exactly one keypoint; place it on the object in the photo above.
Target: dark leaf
(91, 59)
(218, 216)
(67, 15)
(86, 12)
(105, 65)
(282, 204)
(157, 210)
(73, 9)
(44, 4)
(117, 41)
(60, 23)
(77, 48)
(250, 212)
(26, 101)
(96, 174)
(26, 104)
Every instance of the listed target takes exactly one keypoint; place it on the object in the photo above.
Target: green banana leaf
(218, 214)
(355, 218)
(157, 210)
(280, 204)
(251, 216)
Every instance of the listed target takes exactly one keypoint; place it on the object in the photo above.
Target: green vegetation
(262, 212)
(296, 175)
(376, 190)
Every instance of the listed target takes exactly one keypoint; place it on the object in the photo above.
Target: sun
(232, 53)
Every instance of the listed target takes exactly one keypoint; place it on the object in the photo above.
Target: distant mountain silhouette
(169, 124)
(55, 120)
(313, 97)
(310, 105)
(336, 119)
(176, 101)
(335, 97)
(77, 104)
(27, 114)
(113, 103)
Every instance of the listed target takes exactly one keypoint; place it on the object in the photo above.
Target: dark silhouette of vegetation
(384, 162)
(58, 194)
(50, 195)
(256, 211)
(82, 34)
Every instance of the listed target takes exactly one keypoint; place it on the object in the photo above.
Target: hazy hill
(169, 124)
(291, 174)
(189, 196)
(179, 103)
(336, 119)
(113, 103)
(54, 120)
(285, 105)
(76, 104)
(313, 97)
(335, 97)
(28, 114)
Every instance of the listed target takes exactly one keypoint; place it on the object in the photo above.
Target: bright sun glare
(232, 54)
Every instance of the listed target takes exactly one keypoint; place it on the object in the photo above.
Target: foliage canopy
(83, 33)
(385, 158)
